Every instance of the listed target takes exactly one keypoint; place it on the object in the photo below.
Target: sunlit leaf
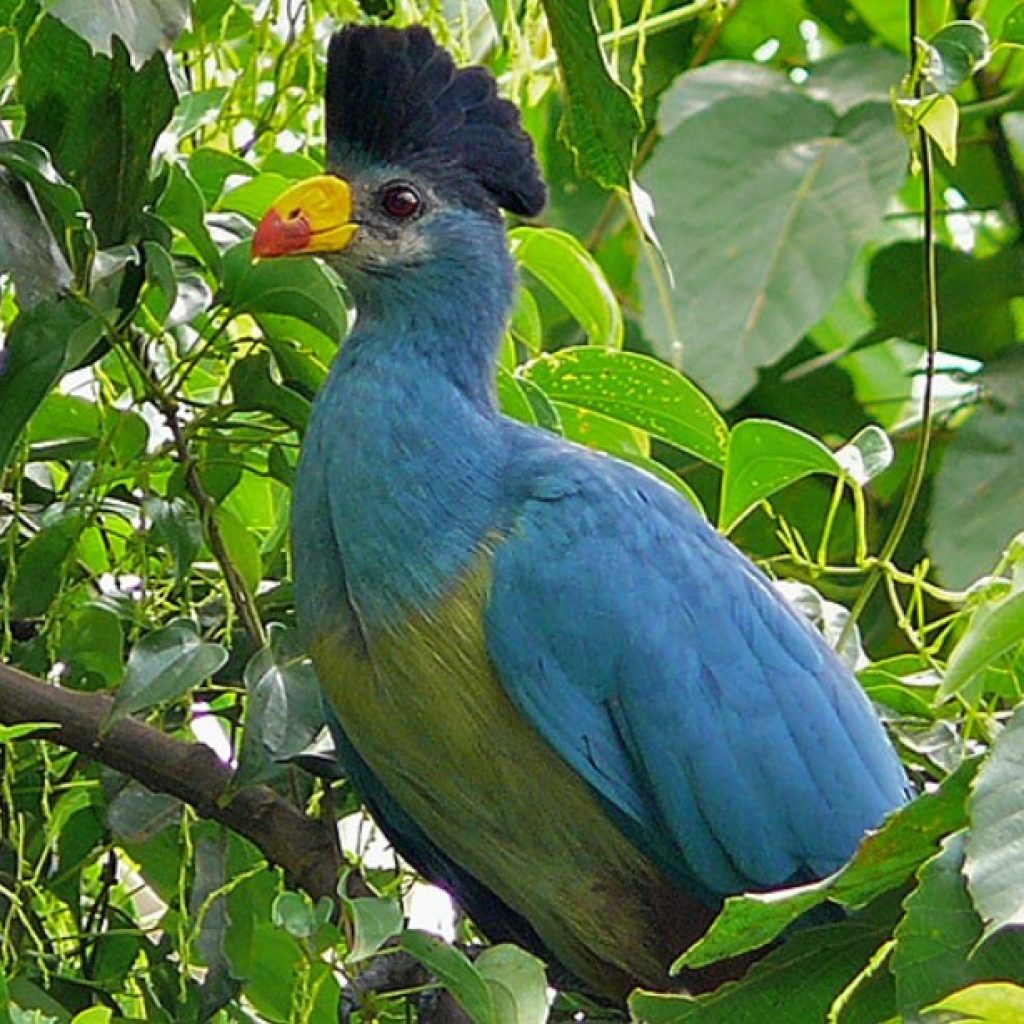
(634, 389)
(763, 457)
(561, 263)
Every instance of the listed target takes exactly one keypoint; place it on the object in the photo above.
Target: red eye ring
(400, 201)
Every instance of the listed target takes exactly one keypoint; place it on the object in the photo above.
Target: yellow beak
(312, 216)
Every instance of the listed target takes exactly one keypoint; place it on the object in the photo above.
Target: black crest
(394, 95)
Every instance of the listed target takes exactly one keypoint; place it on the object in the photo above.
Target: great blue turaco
(563, 695)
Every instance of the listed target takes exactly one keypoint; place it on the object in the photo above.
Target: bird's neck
(445, 318)
(406, 439)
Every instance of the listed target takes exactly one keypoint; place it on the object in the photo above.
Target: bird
(564, 696)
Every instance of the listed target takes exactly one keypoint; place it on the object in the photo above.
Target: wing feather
(726, 736)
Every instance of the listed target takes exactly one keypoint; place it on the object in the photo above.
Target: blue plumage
(564, 695)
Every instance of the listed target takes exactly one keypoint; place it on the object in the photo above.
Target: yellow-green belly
(423, 707)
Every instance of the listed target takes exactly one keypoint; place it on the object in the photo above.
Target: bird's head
(421, 156)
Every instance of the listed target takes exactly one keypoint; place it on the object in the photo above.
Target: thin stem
(169, 408)
(917, 470)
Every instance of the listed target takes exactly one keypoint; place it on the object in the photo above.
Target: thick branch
(303, 846)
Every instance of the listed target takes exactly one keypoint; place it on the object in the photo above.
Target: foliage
(155, 385)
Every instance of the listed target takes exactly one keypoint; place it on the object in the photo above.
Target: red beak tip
(278, 237)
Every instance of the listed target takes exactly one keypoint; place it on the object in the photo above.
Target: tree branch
(304, 847)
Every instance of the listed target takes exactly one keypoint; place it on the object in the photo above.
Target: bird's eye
(400, 201)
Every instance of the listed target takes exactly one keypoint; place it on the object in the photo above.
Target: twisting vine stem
(917, 470)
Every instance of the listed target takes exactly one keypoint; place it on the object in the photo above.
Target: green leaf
(163, 666)
(763, 457)
(253, 197)
(867, 454)
(512, 398)
(210, 168)
(182, 206)
(525, 323)
(600, 123)
(1013, 26)
(518, 984)
(92, 641)
(197, 109)
(995, 846)
(797, 982)
(34, 356)
(563, 265)
(242, 547)
(99, 118)
(255, 389)
(955, 52)
(455, 972)
(764, 198)
(294, 912)
(993, 1003)
(94, 1015)
(145, 26)
(28, 250)
(883, 861)
(595, 430)
(285, 711)
(634, 389)
(996, 627)
(935, 942)
(177, 527)
(939, 116)
(31, 163)
(975, 508)
(41, 567)
(373, 921)
(299, 289)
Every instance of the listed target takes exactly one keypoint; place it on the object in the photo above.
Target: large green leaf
(285, 711)
(935, 942)
(41, 567)
(764, 197)
(955, 53)
(976, 496)
(796, 983)
(599, 121)
(98, 117)
(977, 291)
(637, 390)
(995, 844)
(255, 388)
(182, 206)
(143, 25)
(372, 921)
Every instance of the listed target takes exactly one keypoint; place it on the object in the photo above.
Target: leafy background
(831, 370)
